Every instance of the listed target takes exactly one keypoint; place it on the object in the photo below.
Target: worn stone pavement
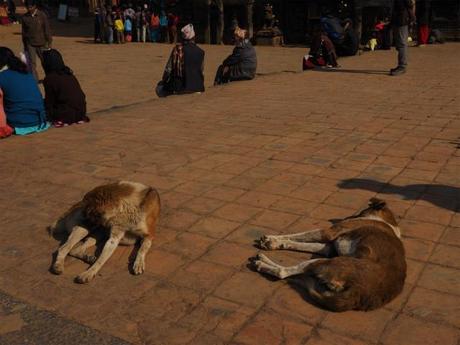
(286, 152)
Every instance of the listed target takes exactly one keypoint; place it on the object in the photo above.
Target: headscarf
(53, 62)
(10, 61)
(188, 32)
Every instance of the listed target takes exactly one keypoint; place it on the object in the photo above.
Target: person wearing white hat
(184, 70)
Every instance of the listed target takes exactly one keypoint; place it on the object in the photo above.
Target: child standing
(119, 29)
(128, 29)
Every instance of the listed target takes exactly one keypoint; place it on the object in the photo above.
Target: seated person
(4, 15)
(241, 64)
(21, 99)
(332, 27)
(322, 52)
(65, 101)
(350, 44)
(184, 70)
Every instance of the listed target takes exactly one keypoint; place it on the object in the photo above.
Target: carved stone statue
(270, 34)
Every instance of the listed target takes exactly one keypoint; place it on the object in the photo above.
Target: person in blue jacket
(22, 101)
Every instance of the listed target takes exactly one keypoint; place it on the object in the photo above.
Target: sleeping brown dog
(125, 211)
(364, 265)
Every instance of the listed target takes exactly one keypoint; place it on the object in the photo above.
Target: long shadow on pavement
(352, 71)
(447, 197)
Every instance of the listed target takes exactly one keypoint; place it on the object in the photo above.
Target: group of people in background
(114, 24)
(23, 109)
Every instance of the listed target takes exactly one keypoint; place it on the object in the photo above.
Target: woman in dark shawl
(184, 70)
(65, 101)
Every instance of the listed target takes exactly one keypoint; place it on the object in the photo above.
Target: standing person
(154, 28)
(241, 64)
(128, 29)
(36, 34)
(164, 27)
(147, 16)
(65, 101)
(20, 97)
(98, 26)
(423, 21)
(184, 70)
(403, 15)
(173, 22)
(109, 25)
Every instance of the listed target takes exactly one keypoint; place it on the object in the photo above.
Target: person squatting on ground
(403, 15)
(21, 104)
(341, 34)
(322, 51)
(65, 101)
(241, 64)
(184, 70)
(36, 34)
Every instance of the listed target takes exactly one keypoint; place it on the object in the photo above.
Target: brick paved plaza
(284, 153)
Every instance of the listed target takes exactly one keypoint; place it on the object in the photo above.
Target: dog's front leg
(78, 233)
(139, 263)
(109, 247)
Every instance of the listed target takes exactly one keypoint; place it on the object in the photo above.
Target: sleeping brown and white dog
(364, 265)
(125, 211)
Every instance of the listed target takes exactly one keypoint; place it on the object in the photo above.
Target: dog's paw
(268, 243)
(256, 262)
(138, 267)
(90, 259)
(85, 277)
(58, 268)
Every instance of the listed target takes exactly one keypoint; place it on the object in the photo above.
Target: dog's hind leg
(310, 247)
(265, 265)
(139, 263)
(78, 233)
(107, 251)
(271, 241)
(79, 252)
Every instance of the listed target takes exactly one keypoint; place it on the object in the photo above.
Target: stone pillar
(358, 18)
(250, 15)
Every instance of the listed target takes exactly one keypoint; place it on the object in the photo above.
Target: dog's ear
(377, 204)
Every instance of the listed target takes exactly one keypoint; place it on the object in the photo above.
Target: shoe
(397, 71)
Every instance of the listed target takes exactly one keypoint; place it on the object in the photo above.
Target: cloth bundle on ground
(65, 101)
(21, 103)
(241, 64)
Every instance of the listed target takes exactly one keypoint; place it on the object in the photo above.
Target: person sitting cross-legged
(21, 103)
(184, 70)
(65, 101)
(241, 64)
